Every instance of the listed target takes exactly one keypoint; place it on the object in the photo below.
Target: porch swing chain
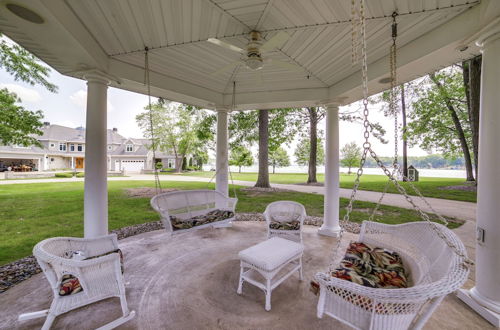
(393, 109)
(368, 149)
(147, 82)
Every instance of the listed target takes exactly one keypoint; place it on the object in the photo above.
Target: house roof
(58, 133)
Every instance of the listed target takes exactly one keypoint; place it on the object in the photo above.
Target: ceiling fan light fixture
(254, 63)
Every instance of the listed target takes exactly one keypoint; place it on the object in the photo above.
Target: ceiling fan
(253, 58)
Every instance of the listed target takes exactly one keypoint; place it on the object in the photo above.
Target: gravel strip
(22, 269)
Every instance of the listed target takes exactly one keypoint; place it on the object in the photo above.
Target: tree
(174, 128)
(240, 156)
(439, 117)
(279, 158)
(17, 124)
(303, 151)
(472, 83)
(350, 156)
(263, 176)
(312, 116)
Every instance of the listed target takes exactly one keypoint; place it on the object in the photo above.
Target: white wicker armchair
(285, 219)
(435, 271)
(100, 275)
(185, 205)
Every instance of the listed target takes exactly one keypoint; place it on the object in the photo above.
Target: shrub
(64, 175)
(80, 174)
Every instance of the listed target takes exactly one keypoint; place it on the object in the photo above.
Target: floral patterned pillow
(212, 216)
(372, 267)
(282, 225)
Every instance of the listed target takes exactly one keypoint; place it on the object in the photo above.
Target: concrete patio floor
(189, 282)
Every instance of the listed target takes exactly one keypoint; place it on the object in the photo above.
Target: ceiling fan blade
(226, 67)
(225, 45)
(286, 65)
(277, 41)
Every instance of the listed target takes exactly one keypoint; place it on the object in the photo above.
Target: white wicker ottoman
(276, 256)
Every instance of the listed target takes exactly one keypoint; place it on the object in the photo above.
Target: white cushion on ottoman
(271, 254)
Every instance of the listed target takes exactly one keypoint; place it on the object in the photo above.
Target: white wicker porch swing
(187, 210)
(432, 260)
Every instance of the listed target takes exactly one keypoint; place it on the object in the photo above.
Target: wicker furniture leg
(240, 284)
(268, 294)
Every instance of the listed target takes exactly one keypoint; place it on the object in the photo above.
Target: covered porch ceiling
(110, 36)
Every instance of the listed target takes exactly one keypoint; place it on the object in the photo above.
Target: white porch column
(484, 298)
(96, 186)
(330, 225)
(222, 158)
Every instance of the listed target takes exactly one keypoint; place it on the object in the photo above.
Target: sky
(67, 108)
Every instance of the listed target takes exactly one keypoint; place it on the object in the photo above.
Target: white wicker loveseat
(99, 275)
(435, 271)
(187, 210)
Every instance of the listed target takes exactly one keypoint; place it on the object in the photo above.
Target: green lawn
(428, 186)
(32, 212)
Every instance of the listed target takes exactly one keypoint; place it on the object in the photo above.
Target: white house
(64, 148)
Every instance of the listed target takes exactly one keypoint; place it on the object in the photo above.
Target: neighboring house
(64, 148)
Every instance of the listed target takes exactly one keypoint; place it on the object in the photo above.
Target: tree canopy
(17, 124)
(303, 150)
(175, 128)
(240, 156)
(279, 158)
(350, 155)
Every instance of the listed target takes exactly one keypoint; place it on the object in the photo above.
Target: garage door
(132, 165)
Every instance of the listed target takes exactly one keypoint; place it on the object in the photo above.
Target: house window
(62, 146)
(170, 163)
(80, 147)
(72, 147)
(129, 148)
(52, 145)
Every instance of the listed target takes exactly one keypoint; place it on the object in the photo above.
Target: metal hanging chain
(393, 108)
(368, 149)
(147, 82)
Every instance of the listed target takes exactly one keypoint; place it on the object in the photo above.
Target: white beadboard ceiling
(176, 32)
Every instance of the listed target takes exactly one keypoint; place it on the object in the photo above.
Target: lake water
(435, 173)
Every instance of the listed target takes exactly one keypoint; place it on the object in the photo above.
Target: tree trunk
(349, 170)
(274, 169)
(458, 127)
(178, 164)
(405, 142)
(239, 169)
(313, 143)
(474, 85)
(263, 178)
